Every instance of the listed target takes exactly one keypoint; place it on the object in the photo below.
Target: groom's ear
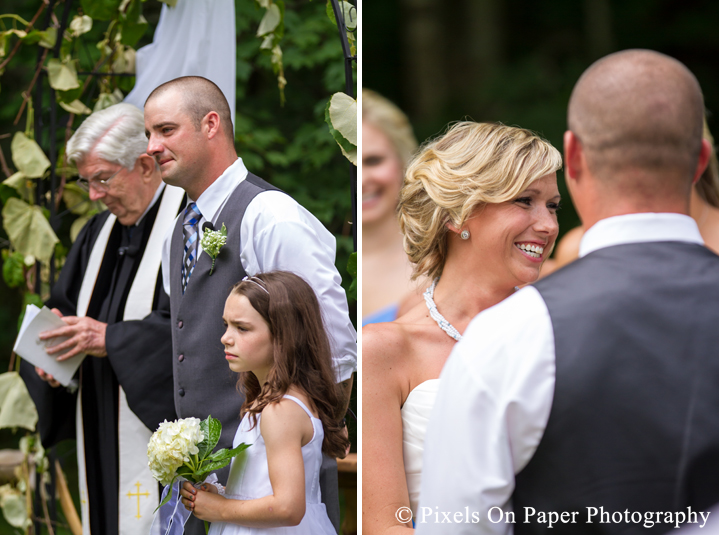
(704, 156)
(573, 155)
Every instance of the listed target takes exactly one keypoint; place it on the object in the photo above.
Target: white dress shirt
(279, 234)
(496, 392)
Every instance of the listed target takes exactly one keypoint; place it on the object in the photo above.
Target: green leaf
(224, 453)
(212, 467)
(46, 38)
(347, 10)
(343, 114)
(77, 226)
(13, 502)
(349, 150)
(108, 99)
(28, 157)
(62, 75)
(76, 199)
(268, 43)
(80, 25)
(330, 12)
(28, 230)
(223, 458)
(13, 270)
(211, 429)
(29, 298)
(352, 264)
(133, 31)
(16, 406)
(270, 21)
(170, 3)
(76, 107)
(352, 270)
(168, 497)
(21, 184)
(69, 96)
(100, 9)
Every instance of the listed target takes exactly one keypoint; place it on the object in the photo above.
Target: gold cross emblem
(138, 494)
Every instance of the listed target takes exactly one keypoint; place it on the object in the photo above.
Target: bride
(478, 213)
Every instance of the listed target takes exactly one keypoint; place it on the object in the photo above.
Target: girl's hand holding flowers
(205, 502)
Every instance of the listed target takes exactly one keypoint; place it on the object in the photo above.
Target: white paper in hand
(29, 346)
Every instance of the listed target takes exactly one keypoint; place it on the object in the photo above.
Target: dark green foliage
(352, 270)
(100, 9)
(516, 61)
(12, 269)
(290, 145)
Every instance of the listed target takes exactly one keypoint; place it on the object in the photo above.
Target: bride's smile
(511, 240)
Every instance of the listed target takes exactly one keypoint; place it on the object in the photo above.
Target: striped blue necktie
(190, 234)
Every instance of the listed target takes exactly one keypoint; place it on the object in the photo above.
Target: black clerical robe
(139, 358)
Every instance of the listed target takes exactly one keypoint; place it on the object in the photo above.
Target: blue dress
(383, 315)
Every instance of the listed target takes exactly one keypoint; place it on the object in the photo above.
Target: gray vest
(204, 384)
(634, 423)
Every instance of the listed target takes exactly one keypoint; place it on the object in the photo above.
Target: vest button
(181, 358)
(179, 324)
(181, 392)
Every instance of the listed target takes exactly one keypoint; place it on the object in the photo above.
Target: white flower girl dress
(249, 479)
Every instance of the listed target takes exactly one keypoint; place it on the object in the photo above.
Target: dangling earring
(464, 234)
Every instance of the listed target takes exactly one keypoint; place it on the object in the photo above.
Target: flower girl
(276, 340)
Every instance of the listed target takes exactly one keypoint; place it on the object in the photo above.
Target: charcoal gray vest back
(634, 422)
(204, 384)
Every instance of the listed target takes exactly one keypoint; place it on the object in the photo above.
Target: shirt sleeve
(494, 399)
(279, 234)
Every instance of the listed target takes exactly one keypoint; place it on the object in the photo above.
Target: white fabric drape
(194, 38)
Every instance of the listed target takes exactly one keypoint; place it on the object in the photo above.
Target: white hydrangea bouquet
(182, 450)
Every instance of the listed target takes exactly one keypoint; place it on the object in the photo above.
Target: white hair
(116, 134)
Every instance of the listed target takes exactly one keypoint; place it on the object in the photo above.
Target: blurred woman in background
(387, 145)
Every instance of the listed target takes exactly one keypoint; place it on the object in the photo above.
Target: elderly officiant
(110, 295)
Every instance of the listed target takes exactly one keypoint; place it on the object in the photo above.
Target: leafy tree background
(516, 61)
(289, 145)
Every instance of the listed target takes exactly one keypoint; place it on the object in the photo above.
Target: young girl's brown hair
(301, 351)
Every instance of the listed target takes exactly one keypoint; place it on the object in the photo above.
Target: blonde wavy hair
(391, 121)
(470, 165)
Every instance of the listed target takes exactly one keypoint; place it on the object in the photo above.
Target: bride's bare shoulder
(382, 340)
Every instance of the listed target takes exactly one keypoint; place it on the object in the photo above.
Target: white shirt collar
(638, 228)
(213, 198)
(158, 192)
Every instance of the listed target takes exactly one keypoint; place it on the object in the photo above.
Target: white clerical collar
(213, 198)
(638, 228)
(158, 192)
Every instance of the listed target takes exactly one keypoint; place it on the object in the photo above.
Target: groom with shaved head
(587, 402)
(190, 135)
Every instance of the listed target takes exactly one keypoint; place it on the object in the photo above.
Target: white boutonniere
(212, 241)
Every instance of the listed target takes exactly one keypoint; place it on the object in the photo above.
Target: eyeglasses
(102, 185)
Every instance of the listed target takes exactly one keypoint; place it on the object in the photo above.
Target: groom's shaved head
(199, 96)
(638, 110)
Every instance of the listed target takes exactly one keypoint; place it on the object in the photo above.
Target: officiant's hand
(86, 335)
(49, 379)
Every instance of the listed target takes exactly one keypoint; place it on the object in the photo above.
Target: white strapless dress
(415, 417)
